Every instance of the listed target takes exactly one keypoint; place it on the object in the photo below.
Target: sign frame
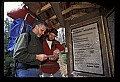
(110, 41)
(103, 48)
(87, 49)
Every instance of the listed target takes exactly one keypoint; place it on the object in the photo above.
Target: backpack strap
(29, 37)
(16, 61)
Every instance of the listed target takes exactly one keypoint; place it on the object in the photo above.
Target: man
(30, 54)
(51, 46)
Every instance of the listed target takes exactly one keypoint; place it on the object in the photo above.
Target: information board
(86, 49)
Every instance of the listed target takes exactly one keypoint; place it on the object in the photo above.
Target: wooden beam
(80, 14)
(72, 7)
(85, 17)
(53, 17)
(75, 15)
(58, 13)
(44, 8)
(57, 25)
(47, 6)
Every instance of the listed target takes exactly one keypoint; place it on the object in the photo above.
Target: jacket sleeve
(59, 46)
(21, 52)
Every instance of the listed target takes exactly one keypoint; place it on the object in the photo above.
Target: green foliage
(7, 23)
(8, 59)
(8, 65)
(64, 59)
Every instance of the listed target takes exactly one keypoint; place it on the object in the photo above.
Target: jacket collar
(33, 34)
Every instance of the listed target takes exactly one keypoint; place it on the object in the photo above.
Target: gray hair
(39, 23)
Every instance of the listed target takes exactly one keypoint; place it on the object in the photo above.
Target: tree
(8, 60)
(7, 23)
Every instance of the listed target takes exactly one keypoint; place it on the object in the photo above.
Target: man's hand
(41, 57)
(53, 57)
(56, 51)
(56, 56)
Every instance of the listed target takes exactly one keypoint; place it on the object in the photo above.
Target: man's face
(41, 30)
(51, 36)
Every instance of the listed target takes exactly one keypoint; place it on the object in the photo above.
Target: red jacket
(51, 69)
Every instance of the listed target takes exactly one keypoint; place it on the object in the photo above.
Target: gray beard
(38, 35)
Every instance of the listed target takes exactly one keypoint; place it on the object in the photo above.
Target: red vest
(52, 66)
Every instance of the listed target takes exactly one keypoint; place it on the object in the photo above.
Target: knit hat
(53, 30)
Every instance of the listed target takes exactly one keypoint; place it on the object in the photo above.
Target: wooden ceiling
(55, 13)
